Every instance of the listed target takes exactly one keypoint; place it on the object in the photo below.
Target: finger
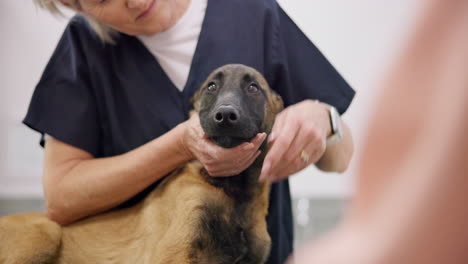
(251, 160)
(279, 147)
(218, 160)
(306, 137)
(258, 140)
(280, 174)
(283, 172)
(246, 163)
(223, 165)
(288, 168)
(254, 144)
(277, 125)
(244, 151)
(210, 149)
(235, 171)
(240, 149)
(316, 151)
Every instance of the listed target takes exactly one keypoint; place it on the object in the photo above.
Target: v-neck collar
(188, 89)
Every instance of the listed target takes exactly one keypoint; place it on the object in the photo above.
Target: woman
(115, 96)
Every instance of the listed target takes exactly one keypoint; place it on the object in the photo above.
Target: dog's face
(234, 104)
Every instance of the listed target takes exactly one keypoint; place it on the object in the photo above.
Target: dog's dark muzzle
(227, 126)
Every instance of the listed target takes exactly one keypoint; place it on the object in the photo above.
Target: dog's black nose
(226, 114)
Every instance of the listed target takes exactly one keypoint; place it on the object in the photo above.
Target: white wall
(28, 37)
(358, 37)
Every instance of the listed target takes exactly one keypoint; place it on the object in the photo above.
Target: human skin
(126, 15)
(77, 185)
(305, 126)
(410, 200)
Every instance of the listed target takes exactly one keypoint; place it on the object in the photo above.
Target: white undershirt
(175, 47)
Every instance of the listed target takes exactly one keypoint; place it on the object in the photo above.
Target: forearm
(337, 157)
(411, 188)
(87, 187)
(425, 174)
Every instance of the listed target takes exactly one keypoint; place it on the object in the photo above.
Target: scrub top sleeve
(63, 104)
(303, 72)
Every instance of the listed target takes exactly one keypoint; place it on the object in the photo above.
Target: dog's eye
(253, 88)
(212, 87)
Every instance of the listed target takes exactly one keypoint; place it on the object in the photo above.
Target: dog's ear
(196, 100)
(275, 103)
(273, 106)
(197, 97)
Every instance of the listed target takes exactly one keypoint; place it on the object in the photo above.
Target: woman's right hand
(219, 161)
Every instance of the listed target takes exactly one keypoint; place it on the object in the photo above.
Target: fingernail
(259, 137)
(272, 137)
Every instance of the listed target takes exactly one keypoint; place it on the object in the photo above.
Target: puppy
(190, 217)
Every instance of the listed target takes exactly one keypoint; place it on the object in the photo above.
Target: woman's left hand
(298, 139)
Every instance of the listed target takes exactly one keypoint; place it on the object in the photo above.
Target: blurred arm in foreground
(410, 202)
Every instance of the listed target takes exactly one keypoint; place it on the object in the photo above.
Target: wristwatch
(335, 124)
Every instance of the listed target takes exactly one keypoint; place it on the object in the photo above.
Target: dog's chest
(227, 237)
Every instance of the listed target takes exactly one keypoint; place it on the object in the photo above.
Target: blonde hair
(104, 32)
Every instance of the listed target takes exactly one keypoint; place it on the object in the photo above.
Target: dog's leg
(28, 238)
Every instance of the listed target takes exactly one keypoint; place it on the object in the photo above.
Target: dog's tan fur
(159, 229)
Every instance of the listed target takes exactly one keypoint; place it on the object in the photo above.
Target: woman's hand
(219, 161)
(298, 139)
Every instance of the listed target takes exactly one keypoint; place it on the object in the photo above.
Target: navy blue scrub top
(109, 99)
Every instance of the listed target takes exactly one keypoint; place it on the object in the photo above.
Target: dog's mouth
(229, 141)
(229, 136)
